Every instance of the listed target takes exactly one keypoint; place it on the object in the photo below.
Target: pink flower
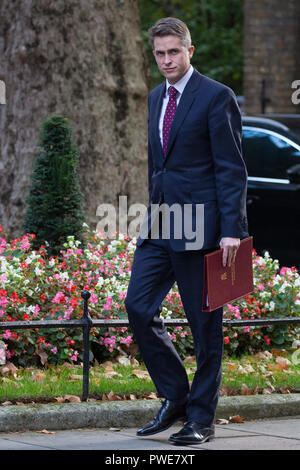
(126, 340)
(122, 295)
(74, 355)
(36, 311)
(260, 287)
(3, 302)
(283, 271)
(59, 298)
(25, 245)
(7, 334)
(94, 299)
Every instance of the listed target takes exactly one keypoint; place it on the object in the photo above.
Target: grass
(245, 375)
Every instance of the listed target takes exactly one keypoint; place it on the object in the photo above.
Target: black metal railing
(86, 323)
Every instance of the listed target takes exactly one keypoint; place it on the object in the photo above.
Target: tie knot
(172, 92)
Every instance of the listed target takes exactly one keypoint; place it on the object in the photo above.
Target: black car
(272, 155)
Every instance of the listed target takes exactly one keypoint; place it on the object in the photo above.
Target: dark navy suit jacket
(203, 163)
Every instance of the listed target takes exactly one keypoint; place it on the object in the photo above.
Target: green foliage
(217, 33)
(54, 201)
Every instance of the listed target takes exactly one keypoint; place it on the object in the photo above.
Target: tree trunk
(83, 60)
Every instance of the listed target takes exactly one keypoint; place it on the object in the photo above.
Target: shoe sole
(183, 419)
(185, 443)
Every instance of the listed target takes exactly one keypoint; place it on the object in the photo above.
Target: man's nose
(167, 58)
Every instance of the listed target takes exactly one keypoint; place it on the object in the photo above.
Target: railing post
(86, 345)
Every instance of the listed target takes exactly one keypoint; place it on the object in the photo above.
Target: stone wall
(271, 55)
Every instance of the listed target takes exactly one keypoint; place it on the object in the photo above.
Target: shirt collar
(180, 85)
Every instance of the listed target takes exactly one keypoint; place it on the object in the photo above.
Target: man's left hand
(230, 247)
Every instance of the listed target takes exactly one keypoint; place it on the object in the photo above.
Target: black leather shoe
(193, 433)
(169, 414)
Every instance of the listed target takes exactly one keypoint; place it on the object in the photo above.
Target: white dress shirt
(180, 85)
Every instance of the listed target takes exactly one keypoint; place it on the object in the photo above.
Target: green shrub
(54, 201)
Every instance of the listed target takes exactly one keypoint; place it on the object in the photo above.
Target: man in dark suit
(194, 162)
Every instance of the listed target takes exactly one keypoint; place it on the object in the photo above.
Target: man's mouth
(169, 70)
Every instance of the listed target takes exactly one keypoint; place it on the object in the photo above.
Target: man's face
(172, 58)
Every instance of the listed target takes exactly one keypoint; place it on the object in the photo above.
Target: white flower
(272, 305)
(100, 282)
(64, 276)
(283, 287)
(38, 271)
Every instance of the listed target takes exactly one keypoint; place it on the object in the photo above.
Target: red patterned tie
(169, 116)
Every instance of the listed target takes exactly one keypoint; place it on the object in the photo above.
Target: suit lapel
(157, 111)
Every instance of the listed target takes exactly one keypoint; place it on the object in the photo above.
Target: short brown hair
(170, 26)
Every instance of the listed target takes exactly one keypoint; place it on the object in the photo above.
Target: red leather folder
(224, 285)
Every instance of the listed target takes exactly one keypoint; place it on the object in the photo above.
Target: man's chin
(172, 75)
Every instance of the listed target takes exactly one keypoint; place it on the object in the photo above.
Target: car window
(267, 154)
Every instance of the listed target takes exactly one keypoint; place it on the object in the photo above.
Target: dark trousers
(155, 269)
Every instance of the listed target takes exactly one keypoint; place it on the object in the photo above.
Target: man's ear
(191, 51)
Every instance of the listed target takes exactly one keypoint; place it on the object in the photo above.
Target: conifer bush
(54, 202)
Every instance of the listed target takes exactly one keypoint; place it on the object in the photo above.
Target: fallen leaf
(114, 429)
(270, 386)
(141, 374)
(231, 366)
(42, 354)
(132, 397)
(112, 396)
(151, 396)
(124, 360)
(6, 403)
(72, 398)
(261, 355)
(75, 377)
(44, 431)
(107, 364)
(236, 419)
(222, 421)
(284, 390)
(134, 362)
(226, 391)
(282, 362)
(189, 359)
(245, 390)
(279, 352)
(40, 377)
(9, 368)
(110, 372)
(268, 354)
(60, 399)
